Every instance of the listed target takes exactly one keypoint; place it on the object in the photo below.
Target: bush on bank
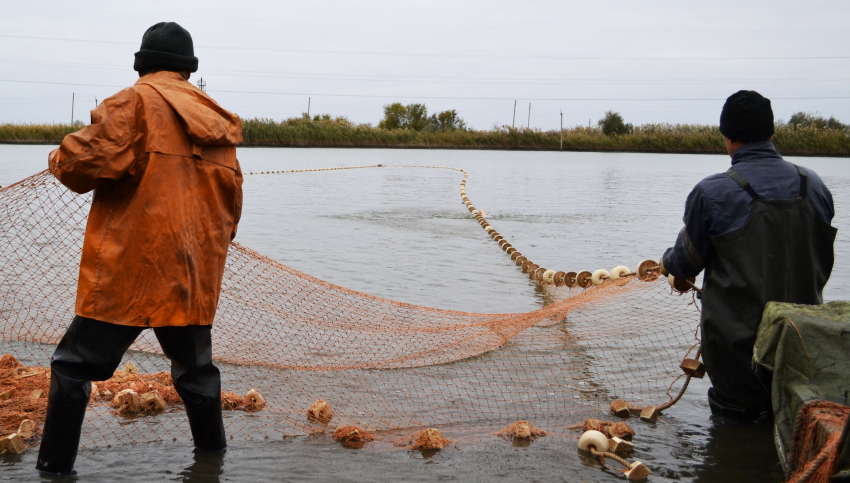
(323, 131)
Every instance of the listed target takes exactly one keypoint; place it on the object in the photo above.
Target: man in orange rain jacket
(161, 159)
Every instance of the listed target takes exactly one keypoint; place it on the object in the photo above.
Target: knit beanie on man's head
(747, 117)
(166, 46)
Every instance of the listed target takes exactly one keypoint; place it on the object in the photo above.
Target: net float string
(646, 270)
(582, 279)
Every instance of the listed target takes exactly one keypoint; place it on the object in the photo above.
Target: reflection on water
(402, 234)
(207, 467)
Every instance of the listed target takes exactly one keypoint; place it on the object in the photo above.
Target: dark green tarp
(809, 365)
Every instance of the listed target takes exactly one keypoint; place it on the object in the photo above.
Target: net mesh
(380, 364)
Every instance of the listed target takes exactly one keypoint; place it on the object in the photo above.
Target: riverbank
(340, 133)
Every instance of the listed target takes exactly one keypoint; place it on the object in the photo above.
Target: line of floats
(591, 441)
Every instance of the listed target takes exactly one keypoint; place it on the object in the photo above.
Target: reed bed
(650, 138)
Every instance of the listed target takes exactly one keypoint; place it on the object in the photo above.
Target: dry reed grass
(651, 138)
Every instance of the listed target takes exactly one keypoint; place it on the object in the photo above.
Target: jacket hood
(207, 123)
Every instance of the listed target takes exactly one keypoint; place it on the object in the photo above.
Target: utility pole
(72, 108)
(95, 101)
(513, 123)
(308, 107)
(202, 85)
(529, 116)
(562, 129)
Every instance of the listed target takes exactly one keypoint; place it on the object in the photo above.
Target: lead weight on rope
(583, 278)
(548, 276)
(620, 408)
(558, 279)
(650, 414)
(570, 279)
(12, 443)
(647, 269)
(619, 271)
(618, 445)
(637, 472)
(693, 368)
(599, 276)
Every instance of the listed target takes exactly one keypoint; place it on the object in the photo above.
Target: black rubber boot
(723, 408)
(66, 409)
(207, 426)
(197, 381)
(89, 351)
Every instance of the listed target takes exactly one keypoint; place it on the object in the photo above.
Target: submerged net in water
(379, 364)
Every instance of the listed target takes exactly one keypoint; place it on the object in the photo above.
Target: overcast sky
(661, 61)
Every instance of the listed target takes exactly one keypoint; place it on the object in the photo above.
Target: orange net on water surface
(379, 364)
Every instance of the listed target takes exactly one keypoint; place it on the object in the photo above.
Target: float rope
(824, 454)
(605, 454)
(583, 279)
(646, 270)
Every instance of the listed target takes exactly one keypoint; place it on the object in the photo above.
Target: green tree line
(403, 127)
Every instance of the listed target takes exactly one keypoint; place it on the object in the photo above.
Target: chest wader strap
(804, 182)
(742, 181)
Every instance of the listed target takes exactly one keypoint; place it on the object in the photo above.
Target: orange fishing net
(814, 445)
(379, 364)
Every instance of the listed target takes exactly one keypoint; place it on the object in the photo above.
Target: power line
(393, 96)
(446, 55)
(446, 80)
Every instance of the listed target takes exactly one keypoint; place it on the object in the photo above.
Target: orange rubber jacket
(161, 159)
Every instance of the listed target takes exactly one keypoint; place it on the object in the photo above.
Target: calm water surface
(402, 233)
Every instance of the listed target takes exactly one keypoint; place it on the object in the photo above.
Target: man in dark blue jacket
(762, 232)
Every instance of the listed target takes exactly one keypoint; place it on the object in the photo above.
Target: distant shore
(339, 133)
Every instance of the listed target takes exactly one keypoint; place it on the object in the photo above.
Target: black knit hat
(747, 117)
(166, 46)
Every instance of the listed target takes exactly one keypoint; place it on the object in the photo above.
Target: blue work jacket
(718, 205)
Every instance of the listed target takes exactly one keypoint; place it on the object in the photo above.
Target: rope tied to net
(605, 454)
(684, 388)
(814, 465)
